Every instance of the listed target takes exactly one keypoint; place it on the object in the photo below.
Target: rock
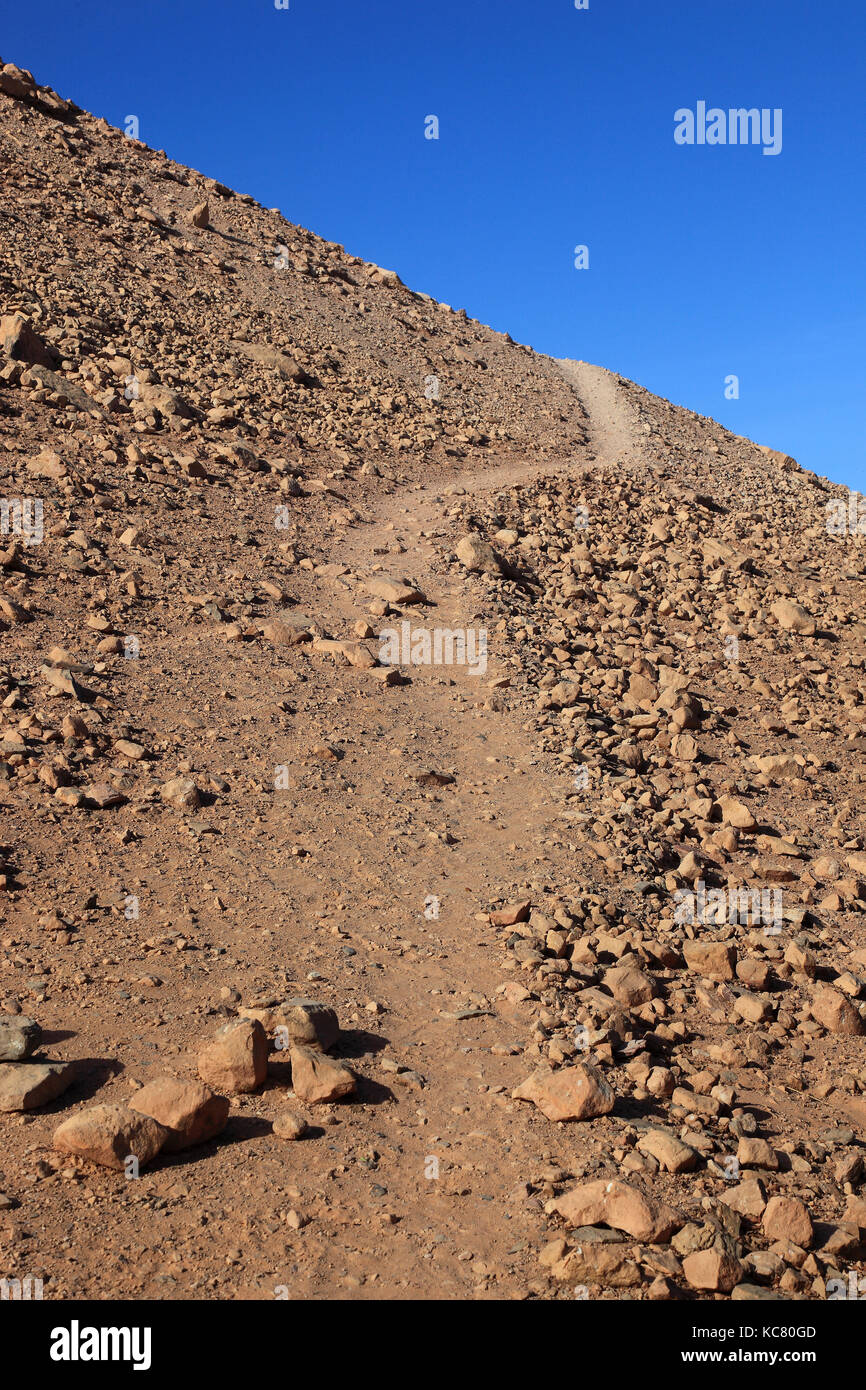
(611, 1202)
(787, 1218)
(570, 1093)
(237, 1059)
(748, 1198)
(714, 959)
(855, 1212)
(189, 1111)
(101, 796)
(182, 793)
(290, 1126)
(597, 1263)
(281, 362)
(509, 916)
(199, 216)
(671, 1153)
(23, 344)
(166, 401)
(629, 986)
(756, 1153)
(27, 1085)
(793, 617)
(17, 82)
(110, 1134)
(712, 1269)
(395, 591)
(477, 556)
(19, 1037)
(304, 1021)
(736, 814)
(837, 1014)
(317, 1077)
(281, 634)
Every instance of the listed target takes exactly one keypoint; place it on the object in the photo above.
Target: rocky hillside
(345, 959)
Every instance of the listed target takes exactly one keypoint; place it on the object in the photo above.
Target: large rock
(190, 1112)
(166, 401)
(571, 1093)
(17, 82)
(26, 1085)
(793, 617)
(610, 1202)
(787, 1218)
(748, 1198)
(19, 1037)
(281, 362)
(477, 556)
(668, 1150)
(736, 813)
(23, 344)
(837, 1014)
(110, 1134)
(715, 1270)
(597, 1262)
(303, 1021)
(395, 591)
(237, 1059)
(629, 985)
(317, 1077)
(711, 958)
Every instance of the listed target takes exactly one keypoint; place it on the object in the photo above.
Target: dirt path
(613, 436)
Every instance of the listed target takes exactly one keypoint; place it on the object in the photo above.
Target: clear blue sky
(556, 130)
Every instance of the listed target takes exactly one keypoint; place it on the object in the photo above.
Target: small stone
(182, 793)
(289, 1126)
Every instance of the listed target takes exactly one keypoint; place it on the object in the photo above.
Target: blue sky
(556, 130)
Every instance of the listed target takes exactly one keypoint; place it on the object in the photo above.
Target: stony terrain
(333, 973)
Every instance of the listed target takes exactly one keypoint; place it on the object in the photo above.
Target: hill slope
(255, 453)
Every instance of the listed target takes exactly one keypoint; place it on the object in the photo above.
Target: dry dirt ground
(216, 798)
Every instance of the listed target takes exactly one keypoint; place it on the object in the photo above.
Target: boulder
(110, 1134)
(190, 1112)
